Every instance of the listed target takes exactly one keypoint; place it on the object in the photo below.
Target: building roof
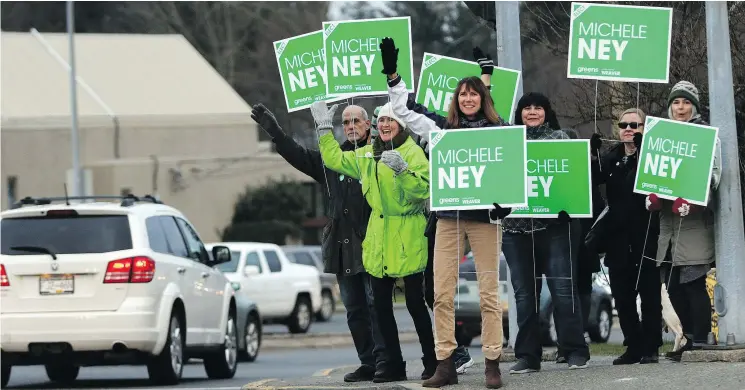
(144, 76)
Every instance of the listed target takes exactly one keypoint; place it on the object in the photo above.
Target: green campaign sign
(473, 168)
(619, 42)
(352, 52)
(302, 70)
(676, 160)
(440, 75)
(558, 179)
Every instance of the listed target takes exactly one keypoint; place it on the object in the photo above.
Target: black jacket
(630, 228)
(347, 209)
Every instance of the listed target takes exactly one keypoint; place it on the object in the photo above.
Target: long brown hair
(487, 104)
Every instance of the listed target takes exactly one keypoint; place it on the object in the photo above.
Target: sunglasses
(633, 125)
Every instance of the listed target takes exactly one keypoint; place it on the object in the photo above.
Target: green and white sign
(558, 179)
(473, 168)
(440, 75)
(619, 42)
(353, 61)
(676, 160)
(302, 69)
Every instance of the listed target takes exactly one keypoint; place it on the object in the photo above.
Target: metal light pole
(78, 189)
(509, 55)
(729, 297)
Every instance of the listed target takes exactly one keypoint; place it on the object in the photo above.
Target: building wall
(201, 168)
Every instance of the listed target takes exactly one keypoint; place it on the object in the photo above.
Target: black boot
(430, 365)
(390, 372)
(363, 374)
(628, 357)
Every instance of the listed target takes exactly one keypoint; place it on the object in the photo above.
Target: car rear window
(79, 234)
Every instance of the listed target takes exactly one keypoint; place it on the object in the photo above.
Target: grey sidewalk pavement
(601, 375)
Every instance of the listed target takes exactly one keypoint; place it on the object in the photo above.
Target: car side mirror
(251, 270)
(220, 254)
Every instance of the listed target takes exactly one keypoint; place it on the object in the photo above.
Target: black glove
(564, 217)
(266, 120)
(638, 140)
(484, 61)
(389, 54)
(499, 212)
(595, 144)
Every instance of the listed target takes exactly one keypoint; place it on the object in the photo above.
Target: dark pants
(552, 257)
(414, 292)
(692, 304)
(642, 337)
(357, 296)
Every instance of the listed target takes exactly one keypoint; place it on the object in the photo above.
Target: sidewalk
(601, 375)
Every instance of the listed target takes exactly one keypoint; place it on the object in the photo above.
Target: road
(303, 363)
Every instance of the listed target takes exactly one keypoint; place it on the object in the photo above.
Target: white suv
(109, 283)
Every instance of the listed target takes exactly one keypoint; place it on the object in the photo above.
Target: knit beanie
(374, 126)
(386, 110)
(684, 89)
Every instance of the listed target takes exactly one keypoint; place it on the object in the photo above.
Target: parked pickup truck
(285, 293)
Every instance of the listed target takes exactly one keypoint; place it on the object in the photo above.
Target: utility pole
(78, 189)
(729, 296)
(509, 55)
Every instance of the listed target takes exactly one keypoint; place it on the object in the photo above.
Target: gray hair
(365, 116)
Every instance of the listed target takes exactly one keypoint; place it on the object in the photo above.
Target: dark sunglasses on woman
(633, 125)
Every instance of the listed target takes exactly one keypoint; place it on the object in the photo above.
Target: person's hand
(638, 140)
(323, 116)
(564, 217)
(266, 120)
(499, 212)
(595, 144)
(393, 160)
(682, 208)
(484, 60)
(389, 55)
(652, 203)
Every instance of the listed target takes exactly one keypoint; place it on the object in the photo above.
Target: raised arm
(417, 123)
(412, 105)
(333, 157)
(304, 160)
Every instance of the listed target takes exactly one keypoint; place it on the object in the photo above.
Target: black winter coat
(348, 211)
(630, 228)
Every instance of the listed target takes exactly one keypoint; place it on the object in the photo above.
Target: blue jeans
(357, 296)
(552, 257)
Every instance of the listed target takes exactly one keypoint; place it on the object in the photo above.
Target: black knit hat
(538, 100)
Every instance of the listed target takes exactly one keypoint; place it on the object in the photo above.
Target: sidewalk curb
(707, 356)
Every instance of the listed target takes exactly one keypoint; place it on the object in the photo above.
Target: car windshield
(232, 265)
(66, 235)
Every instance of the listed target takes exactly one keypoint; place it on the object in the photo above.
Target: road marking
(255, 385)
(325, 372)
(625, 379)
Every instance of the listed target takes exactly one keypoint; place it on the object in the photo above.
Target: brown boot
(445, 374)
(493, 375)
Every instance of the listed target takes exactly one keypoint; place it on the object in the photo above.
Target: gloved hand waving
(595, 144)
(638, 140)
(499, 212)
(393, 160)
(484, 61)
(323, 116)
(389, 55)
(266, 120)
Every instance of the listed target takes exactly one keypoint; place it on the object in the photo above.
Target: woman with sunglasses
(631, 244)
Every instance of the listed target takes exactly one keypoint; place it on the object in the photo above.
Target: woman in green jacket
(395, 181)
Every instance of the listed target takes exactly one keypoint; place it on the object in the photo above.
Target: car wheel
(62, 372)
(223, 363)
(301, 316)
(327, 307)
(252, 339)
(461, 337)
(167, 367)
(5, 375)
(600, 332)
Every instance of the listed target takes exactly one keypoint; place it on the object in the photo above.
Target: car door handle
(181, 270)
(205, 274)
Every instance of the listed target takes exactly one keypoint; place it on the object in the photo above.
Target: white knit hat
(387, 111)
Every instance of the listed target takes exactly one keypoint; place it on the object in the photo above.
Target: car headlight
(236, 286)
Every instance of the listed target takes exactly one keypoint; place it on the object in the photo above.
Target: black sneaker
(362, 374)
(653, 358)
(577, 362)
(462, 359)
(627, 358)
(560, 358)
(523, 367)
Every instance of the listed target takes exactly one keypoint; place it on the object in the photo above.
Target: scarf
(379, 146)
(542, 131)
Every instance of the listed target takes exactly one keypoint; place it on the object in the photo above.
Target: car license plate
(58, 284)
